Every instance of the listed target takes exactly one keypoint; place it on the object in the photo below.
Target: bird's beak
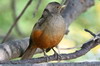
(61, 8)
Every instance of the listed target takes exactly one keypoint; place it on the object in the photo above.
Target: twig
(13, 5)
(5, 38)
(90, 32)
(37, 7)
(70, 48)
(94, 35)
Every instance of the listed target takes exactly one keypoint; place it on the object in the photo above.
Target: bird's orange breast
(45, 41)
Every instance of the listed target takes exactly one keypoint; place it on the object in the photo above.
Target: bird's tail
(28, 53)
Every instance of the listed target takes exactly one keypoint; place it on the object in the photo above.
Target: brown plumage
(48, 31)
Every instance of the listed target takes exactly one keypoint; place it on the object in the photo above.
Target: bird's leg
(58, 56)
(45, 55)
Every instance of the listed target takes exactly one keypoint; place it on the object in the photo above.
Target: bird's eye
(57, 6)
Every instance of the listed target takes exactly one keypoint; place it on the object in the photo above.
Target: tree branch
(15, 48)
(37, 7)
(74, 9)
(14, 15)
(56, 64)
(9, 31)
(84, 49)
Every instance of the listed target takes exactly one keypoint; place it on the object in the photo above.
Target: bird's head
(55, 7)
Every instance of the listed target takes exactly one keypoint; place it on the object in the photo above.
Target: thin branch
(13, 6)
(5, 38)
(90, 32)
(70, 48)
(37, 7)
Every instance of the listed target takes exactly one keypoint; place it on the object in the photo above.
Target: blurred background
(76, 37)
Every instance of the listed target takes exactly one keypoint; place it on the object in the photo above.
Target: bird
(47, 32)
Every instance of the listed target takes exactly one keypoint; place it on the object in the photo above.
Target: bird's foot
(46, 56)
(59, 58)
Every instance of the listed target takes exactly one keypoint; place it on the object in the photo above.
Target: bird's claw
(59, 58)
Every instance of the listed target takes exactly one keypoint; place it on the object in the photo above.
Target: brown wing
(37, 31)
